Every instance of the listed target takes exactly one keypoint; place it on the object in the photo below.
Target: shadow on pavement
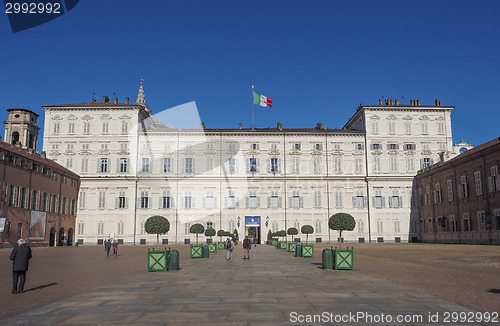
(494, 290)
(40, 287)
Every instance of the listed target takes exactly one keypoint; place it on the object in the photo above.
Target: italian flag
(261, 100)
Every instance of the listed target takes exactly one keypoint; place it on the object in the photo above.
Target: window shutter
(193, 169)
(365, 201)
(490, 184)
(225, 202)
(460, 194)
(258, 202)
(268, 202)
(203, 202)
(279, 165)
(268, 165)
(497, 183)
(354, 201)
(400, 201)
(117, 165)
(98, 170)
(466, 191)
(183, 199)
(172, 202)
(117, 202)
(279, 202)
(301, 201)
(160, 202)
(139, 202)
(373, 201)
(226, 166)
(215, 202)
(126, 202)
(248, 164)
(237, 202)
(192, 202)
(247, 201)
(431, 161)
(383, 202)
(162, 165)
(421, 163)
(290, 202)
(236, 166)
(258, 164)
(150, 202)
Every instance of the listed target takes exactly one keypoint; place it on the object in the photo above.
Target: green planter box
(273, 243)
(278, 244)
(343, 258)
(283, 245)
(196, 251)
(221, 245)
(307, 250)
(157, 260)
(292, 246)
(212, 247)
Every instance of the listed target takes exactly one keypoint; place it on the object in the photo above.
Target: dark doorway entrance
(252, 228)
(60, 238)
(70, 237)
(52, 239)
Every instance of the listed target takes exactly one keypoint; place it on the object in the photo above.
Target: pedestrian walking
(246, 247)
(229, 248)
(107, 246)
(20, 257)
(115, 248)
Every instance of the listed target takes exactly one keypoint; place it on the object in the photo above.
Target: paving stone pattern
(262, 291)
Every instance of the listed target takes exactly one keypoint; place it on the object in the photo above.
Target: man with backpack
(229, 248)
(246, 247)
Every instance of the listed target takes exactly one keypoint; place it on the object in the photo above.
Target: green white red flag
(262, 100)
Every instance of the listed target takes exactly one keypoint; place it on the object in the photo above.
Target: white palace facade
(133, 166)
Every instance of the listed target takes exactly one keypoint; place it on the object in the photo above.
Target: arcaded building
(39, 196)
(459, 200)
(134, 165)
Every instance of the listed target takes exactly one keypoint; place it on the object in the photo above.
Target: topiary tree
(341, 222)
(221, 233)
(210, 232)
(198, 229)
(281, 233)
(269, 235)
(157, 225)
(307, 229)
(292, 232)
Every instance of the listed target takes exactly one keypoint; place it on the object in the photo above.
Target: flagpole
(253, 108)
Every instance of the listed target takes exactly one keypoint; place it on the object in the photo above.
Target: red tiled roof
(37, 158)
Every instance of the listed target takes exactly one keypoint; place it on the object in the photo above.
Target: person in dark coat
(20, 256)
(107, 246)
(115, 248)
(246, 246)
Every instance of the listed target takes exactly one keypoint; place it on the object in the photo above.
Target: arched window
(15, 137)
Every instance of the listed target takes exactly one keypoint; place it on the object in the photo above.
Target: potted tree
(157, 225)
(292, 246)
(341, 222)
(307, 249)
(196, 250)
(221, 243)
(210, 232)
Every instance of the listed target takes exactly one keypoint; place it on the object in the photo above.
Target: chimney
(397, 101)
(319, 126)
(105, 99)
(438, 103)
(380, 101)
(441, 157)
(126, 100)
(240, 126)
(418, 102)
(202, 125)
(280, 126)
(43, 155)
(93, 100)
(116, 100)
(386, 101)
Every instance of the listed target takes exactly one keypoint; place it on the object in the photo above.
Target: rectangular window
(395, 200)
(124, 127)
(463, 191)
(253, 164)
(144, 203)
(73, 207)
(408, 128)
(69, 163)
(188, 165)
(317, 164)
(100, 228)
(424, 128)
(102, 199)
(494, 179)
(105, 127)
(145, 164)
(120, 228)
(274, 165)
(426, 162)
(274, 200)
(440, 126)
(380, 226)
(449, 184)
(295, 164)
(378, 200)
(64, 208)
(85, 165)
(253, 200)
(318, 147)
(392, 146)
(122, 200)
(337, 165)
(437, 193)
(477, 180)
(318, 227)
(337, 147)
(397, 228)
(35, 199)
(296, 146)
(188, 200)
(410, 163)
(358, 146)
(375, 127)
(232, 201)
(359, 165)
(392, 127)
(317, 198)
(361, 227)
(409, 147)
(254, 146)
(376, 146)
(45, 202)
(86, 127)
(54, 204)
(71, 128)
(231, 163)
(210, 200)
(123, 165)
(57, 127)
(166, 200)
(376, 164)
(167, 165)
(338, 199)
(23, 198)
(296, 200)
(210, 162)
(81, 228)
(103, 165)
(275, 226)
(394, 163)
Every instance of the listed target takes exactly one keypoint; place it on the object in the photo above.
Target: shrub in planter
(341, 222)
(307, 229)
(157, 225)
(292, 232)
(210, 232)
(197, 229)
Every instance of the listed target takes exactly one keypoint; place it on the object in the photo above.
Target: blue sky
(317, 60)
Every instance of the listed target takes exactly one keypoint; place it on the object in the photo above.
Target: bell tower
(21, 127)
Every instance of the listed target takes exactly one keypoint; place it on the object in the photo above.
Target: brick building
(459, 200)
(38, 197)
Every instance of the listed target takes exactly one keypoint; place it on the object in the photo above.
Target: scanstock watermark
(26, 14)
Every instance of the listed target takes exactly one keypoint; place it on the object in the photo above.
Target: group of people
(111, 243)
(247, 244)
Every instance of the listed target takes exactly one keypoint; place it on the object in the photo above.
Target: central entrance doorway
(252, 228)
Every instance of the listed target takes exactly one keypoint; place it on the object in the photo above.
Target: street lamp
(239, 218)
(267, 221)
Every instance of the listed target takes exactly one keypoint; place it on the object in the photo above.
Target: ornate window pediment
(72, 117)
(424, 117)
(392, 117)
(56, 117)
(124, 117)
(87, 117)
(408, 118)
(375, 117)
(106, 117)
